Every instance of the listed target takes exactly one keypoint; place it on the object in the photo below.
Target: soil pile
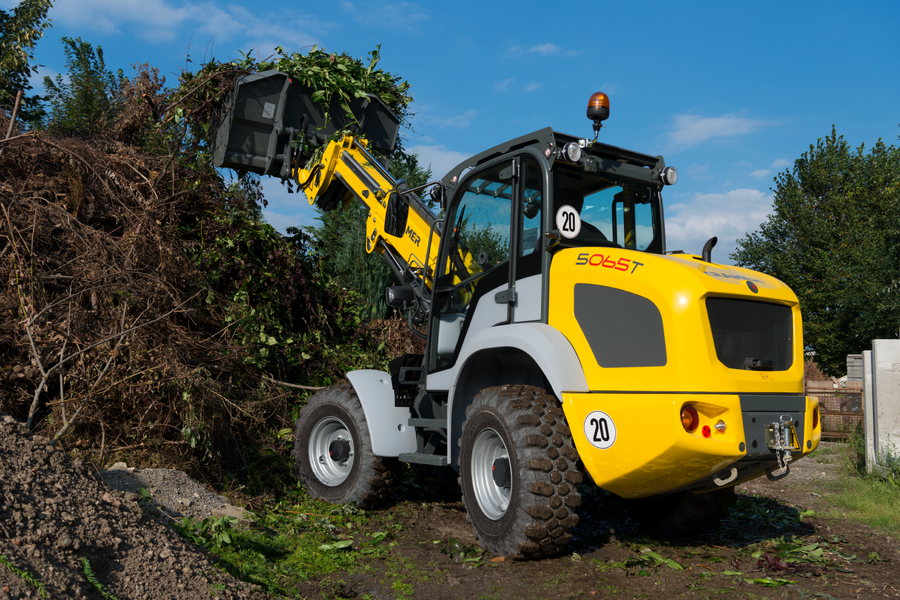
(55, 512)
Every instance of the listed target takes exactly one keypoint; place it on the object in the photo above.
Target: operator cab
(511, 207)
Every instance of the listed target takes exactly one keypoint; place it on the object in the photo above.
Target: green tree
(341, 249)
(834, 237)
(19, 32)
(91, 98)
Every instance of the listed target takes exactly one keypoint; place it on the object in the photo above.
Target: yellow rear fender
(639, 445)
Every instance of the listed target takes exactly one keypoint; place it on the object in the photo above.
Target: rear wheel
(518, 472)
(333, 451)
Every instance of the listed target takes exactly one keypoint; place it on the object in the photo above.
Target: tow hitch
(781, 437)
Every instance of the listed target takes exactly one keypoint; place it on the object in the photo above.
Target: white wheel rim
(492, 499)
(330, 472)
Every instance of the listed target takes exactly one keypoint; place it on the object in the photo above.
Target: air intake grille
(751, 335)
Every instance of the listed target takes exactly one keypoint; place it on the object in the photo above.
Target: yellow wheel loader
(563, 338)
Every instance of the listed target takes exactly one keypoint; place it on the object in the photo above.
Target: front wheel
(333, 451)
(517, 469)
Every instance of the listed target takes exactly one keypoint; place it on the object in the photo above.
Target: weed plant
(297, 539)
(31, 579)
(92, 579)
(869, 498)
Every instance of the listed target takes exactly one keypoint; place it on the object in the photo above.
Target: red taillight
(707, 431)
(690, 420)
(815, 417)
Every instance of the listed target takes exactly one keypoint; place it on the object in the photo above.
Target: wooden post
(15, 113)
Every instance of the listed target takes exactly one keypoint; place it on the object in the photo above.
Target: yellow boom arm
(399, 225)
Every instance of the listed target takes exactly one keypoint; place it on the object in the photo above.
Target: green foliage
(31, 579)
(834, 237)
(214, 533)
(19, 32)
(331, 74)
(871, 499)
(91, 98)
(92, 579)
(263, 279)
(340, 252)
(281, 318)
(855, 457)
(463, 552)
(486, 239)
(298, 540)
(200, 95)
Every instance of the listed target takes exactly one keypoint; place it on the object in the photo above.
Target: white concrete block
(886, 398)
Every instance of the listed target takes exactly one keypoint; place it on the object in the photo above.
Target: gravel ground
(55, 512)
(174, 493)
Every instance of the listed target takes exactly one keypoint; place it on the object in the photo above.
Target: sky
(730, 93)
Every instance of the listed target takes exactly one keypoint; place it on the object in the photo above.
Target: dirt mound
(55, 512)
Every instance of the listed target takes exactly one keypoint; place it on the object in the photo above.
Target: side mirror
(399, 296)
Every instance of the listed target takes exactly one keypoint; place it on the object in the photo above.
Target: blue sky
(730, 93)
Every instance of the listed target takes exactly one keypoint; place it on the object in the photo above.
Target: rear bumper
(634, 445)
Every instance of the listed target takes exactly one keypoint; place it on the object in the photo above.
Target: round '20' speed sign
(568, 221)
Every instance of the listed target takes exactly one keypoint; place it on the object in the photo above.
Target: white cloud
(36, 80)
(546, 49)
(439, 158)
(760, 173)
(407, 16)
(109, 15)
(780, 163)
(161, 21)
(690, 130)
(458, 121)
(698, 172)
(727, 216)
(508, 85)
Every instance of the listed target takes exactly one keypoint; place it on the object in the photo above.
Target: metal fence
(841, 409)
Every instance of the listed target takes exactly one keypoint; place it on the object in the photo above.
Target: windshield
(611, 213)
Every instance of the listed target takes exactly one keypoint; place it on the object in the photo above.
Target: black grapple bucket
(268, 113)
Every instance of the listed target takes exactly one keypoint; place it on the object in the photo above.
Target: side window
(532, 204)
(477, 259)
(611, 214)
(633, 216)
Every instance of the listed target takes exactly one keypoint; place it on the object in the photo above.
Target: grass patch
(298, 540)
(870, 500)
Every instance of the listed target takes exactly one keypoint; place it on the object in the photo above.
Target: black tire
(683, 513)
(321, 432)
(526, 426)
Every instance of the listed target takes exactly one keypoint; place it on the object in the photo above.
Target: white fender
(550, 349)
(388, 425)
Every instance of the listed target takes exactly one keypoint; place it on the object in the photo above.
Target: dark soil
(758, 552)
(55, 512)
